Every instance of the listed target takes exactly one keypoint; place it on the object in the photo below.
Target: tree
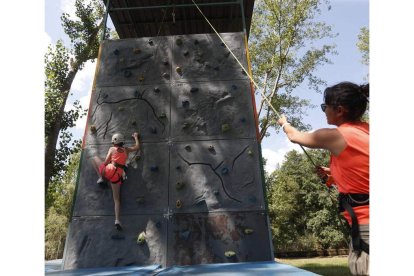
(363, 45)
(302, 211)
(61, 67)
(286, 49)
(58, 214)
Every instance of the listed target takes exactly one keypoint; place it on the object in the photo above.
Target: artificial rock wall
(194, 192)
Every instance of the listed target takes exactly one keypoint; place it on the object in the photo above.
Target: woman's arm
(108, 157)
(136, 147)
(324, 138)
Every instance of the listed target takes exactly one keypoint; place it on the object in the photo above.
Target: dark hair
(119, 144)
(351, 96)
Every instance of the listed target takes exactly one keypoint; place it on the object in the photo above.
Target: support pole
(105, 20)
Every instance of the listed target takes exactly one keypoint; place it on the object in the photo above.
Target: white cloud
(83, 80)
(276, 157)
(68, 6)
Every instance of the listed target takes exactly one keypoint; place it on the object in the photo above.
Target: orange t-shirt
(119, 156)
(350, 168)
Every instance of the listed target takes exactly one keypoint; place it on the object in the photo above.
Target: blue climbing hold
(116, 52)
(224, 171)
(154, 168)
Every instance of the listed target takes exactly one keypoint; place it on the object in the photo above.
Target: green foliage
(302, 211)
(286, 49)
(363, 44)
(59, 199)
(61, 67)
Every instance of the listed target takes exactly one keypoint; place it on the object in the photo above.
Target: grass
(326, 266)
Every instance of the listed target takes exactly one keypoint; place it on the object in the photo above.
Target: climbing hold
(195, 41)
(243, 119)
(121, 59)
(244, 73)
(136, 50)
(156, 90)
(163, 115)
(230, 254)
(188, 148)
(127, 73)
(186, 53)
(140, 200)
(166, 75)
(185, 104)
(121, 108)
(154, 168)
(222, 44)
(248, 231)
(179, 42)
(178, 204)
(179, 70)
(153, 130)
(137, 158)
(93, 129)
(158, 224)
(186, 125)
(250, 152)
(179, 185)
(225, 127)
(134, 123)
(137, 94)
(141, 238)
(165, 61)
(116, 52)
(211, 148)
(216, 68)
(185, 234)
(215, 192)
(193, 89)
(105, 96)
(226, 54)
(141, 78)
(150, 42)
(233, 86)
(252, 199)
(224, 171)
(178, 168)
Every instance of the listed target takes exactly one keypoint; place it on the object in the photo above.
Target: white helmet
(117, 138)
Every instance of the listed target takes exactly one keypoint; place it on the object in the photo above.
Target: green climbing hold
(229, 254)
(121, 108)
(248, 231)
(179, 70)
(179, 42)
(141, 238)
(163, 115)
(225, 127)
(179, 185)
(140, 200)
(250, 152)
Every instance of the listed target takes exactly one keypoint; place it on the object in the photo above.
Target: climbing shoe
(118, 225)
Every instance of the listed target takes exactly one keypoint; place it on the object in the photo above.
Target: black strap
(358, 244)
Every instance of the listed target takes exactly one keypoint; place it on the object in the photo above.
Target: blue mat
(251, 268)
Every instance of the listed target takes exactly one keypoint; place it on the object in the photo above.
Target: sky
(345, 17)
(26, 34)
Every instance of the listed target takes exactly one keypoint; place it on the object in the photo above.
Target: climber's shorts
(111, 173)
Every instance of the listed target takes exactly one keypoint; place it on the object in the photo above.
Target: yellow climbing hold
(178, 204)
(141, 78)
(179, 70)
(229, 254)
(141, 238)
(248, 231)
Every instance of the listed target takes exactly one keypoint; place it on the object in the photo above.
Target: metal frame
(107, 10)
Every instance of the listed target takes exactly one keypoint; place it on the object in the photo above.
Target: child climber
(113, 169)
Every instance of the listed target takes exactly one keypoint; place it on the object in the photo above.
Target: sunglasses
(323, 107)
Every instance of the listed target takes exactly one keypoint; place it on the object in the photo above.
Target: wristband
(284, 125)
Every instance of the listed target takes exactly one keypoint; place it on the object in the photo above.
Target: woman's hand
(135, 135)
(282, 120)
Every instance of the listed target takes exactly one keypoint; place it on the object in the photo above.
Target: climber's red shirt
(350, 168)
(110, 171)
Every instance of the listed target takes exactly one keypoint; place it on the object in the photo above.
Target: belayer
(113, 169)
(344, 104)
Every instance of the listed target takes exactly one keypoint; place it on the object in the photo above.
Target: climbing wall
(194, 192)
